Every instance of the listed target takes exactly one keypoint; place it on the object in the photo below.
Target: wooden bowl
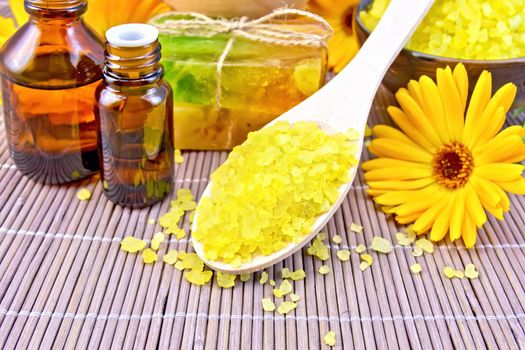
(412, 65)
(233, 8)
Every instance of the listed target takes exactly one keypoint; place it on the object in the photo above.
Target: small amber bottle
(50, 69)
(134, 110)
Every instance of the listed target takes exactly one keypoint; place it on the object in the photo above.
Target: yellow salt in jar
(465, 29)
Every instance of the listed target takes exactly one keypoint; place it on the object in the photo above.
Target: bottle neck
(133, 66)
(55, 9)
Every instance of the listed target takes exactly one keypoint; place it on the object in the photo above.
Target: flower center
(453, 165)
(348, 20)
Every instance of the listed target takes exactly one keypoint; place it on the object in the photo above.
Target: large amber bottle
(134, 109)
(50, 70)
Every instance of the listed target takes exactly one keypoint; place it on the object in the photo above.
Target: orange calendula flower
(448, 164)
(343, 45)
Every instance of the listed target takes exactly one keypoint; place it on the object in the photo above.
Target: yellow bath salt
(337, 239)
(459, 274)
(405, 239)
(268, 304)
(360, 248)
(417, 251)
(179, 265)
(284, 288)
(467, 29)
(356, 228)
(323, 270)
(425, 245)
(449, 272)
(272, 283)
(158, 238)
(285, 272)
(132, 245)
(170, 257)
(322, 235)
(318, 249)
(245, 277)
(295, 297)
(226, 280)
(286, 307)
(191, 217)
(364, 265)
(191, 261)
(415, 268)
(83, 194)
(182, 254)
(343, 254)
(105, 184)
(471, 272)
(329, 338)
(271, 190)
(297, 275)
(264, 277)
(152, 221)
(149, 256)
(178, 156)
(381, 245)
(179, 206)
(198, 277)
(367, 258)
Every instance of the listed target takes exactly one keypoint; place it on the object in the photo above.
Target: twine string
(260, 30)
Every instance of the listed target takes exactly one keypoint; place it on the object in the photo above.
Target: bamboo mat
(64, 282)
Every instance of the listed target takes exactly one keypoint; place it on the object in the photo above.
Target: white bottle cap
(132, 35)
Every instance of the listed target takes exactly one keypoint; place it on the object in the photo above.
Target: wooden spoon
(343, 104)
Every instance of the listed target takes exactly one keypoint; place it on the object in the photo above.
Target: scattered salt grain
(323, 270)
(343, 254)
(83, 194)
(329, 338)
(381, 245)
(356, 228)
(132, 245)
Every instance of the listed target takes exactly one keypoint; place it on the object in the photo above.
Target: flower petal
(442, 223)
(401, 197)
(452, 103)
(434, 105)
(427, 219)
(486, 190)
(381, 163)
(397, 173)
(469, 231)
(502, 98)
(499, 171)
(401, 150)
(503, 150)
(401, 185)
(417, 116)
(474, 207)
(410, 129)
(457, 215)
(516, 186)
(461, 79)
(478, 102)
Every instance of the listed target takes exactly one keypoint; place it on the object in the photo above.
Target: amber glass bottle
(134, 109)
(50, 70)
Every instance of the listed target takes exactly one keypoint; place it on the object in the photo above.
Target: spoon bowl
(342, 104)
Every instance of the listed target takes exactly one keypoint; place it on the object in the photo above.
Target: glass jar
(50, 69)
(134, 110)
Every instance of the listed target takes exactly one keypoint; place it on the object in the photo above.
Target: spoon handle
(361, 78)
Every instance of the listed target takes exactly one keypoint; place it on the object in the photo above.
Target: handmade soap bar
(228, 82)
